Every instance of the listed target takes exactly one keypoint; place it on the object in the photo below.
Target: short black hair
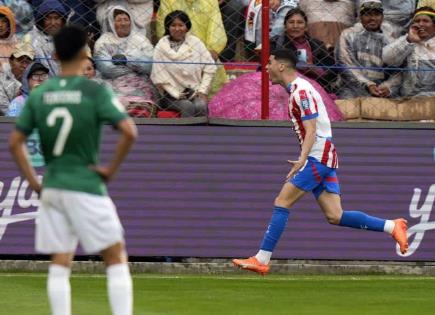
(295, 11)
(286, 55)
(177, 14)
(69, 41)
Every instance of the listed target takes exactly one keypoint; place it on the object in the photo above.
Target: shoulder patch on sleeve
(305, 103)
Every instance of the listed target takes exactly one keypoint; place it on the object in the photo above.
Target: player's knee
(115, 254)
(282, 202)
(333, 218)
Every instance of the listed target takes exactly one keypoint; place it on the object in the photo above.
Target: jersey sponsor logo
(62, 97)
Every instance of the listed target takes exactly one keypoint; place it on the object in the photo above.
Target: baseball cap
(367, 5)
(23, 49)
(37, 67)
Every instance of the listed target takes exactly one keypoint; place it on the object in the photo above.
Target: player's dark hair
(177, 14)
(69, 41)
(285, 55)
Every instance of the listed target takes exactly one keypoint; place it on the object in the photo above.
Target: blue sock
(276, 227)
(360, 220)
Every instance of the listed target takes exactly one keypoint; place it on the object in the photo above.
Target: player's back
(68, 113)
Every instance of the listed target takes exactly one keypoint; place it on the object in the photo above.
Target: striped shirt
(306, 103)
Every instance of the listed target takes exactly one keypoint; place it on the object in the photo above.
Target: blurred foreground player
(68, 111)
(314, 170)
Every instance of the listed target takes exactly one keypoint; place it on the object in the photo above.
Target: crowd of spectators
(167, 55)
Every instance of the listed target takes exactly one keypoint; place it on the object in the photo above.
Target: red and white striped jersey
(306, 103)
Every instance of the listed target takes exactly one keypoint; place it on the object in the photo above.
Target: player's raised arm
(17, 146)
(128, 135)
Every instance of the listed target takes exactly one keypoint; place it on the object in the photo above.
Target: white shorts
(67, 217)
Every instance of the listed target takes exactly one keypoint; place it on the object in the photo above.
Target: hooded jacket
(135, 47)
(23, 13)
(18, 103)
(7, 44)
(142, 11)
(41, 42)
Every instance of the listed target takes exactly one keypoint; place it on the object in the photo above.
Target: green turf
(23, 294)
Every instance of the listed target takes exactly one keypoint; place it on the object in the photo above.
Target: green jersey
(68, 113)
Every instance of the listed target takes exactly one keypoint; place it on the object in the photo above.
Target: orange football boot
(400, 235)
(252, 264)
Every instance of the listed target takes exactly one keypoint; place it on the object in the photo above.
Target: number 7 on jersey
(65, 128)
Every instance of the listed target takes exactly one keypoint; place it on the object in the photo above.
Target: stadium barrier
(206, 188)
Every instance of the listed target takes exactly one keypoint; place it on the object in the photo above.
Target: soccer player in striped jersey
(315, 169)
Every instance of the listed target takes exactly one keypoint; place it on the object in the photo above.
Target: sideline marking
(219, 277)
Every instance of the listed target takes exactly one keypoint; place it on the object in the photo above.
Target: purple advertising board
(208, 191)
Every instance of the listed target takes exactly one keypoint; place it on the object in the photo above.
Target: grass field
(24, 294)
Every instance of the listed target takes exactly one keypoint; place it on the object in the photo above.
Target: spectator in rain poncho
(207, 25)
(23, 13)
(8, 40)
(123, 56)
(359, 51)
(51, 16)
(416, 50)
(12, 74)
(141, 10)
(185, 77)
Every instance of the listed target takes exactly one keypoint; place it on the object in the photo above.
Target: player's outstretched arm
(17, 146)
(128, 135)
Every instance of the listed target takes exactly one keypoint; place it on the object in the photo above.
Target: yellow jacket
(206, 20)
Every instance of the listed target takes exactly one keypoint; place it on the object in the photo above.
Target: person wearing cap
(35, 74)
(359, 52)
(8, 39)
(415, 51)
(50, 17)
(12, 73)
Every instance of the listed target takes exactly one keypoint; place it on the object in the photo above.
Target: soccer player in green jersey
(68, 111)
